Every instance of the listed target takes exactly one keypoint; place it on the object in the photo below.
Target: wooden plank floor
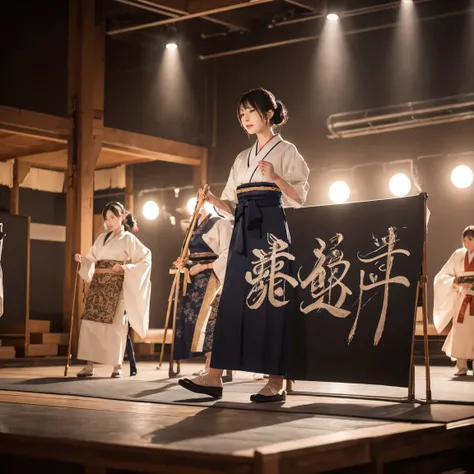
(151, 437)
(173, 434)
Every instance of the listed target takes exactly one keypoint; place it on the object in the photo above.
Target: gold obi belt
(202, 257)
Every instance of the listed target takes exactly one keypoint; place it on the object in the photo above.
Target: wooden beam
(200, 172)
(129, 189)
(86, 105)
(37, 157)
(35, 124)
(120, 155)
(116, 137)
(150, 148)
(20, 172)
(207, 9)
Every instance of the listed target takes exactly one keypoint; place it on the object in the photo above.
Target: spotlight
(332, 16)
(172, 220)
(462, 176)
(171, 46)
(339, 192)
(151, 210)
(399, 184)
(192, 204)
(176, 192)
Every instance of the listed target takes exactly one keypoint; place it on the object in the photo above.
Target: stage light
(399, 184)
(332, 16)
(192, 204)
(462, 176)
(172, 220)
(339, 192)
(171, 46)
(151, 210)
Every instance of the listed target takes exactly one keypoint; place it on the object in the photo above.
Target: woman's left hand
(118, 269)
(267, 169)
(198, 268)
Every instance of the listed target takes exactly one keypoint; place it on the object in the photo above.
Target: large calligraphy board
(358, 266)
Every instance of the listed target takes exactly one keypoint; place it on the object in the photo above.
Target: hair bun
(131, 223)
(280, 116)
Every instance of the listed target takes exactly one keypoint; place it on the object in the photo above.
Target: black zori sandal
(278, 397)
(214, 392)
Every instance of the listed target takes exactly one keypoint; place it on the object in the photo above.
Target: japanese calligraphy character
(382, 257)
(266, 276)
(326, 276)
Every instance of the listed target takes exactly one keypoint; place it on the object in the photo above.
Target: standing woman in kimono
(454, 300)
(118, 266)
(208, 250)
(253, 328)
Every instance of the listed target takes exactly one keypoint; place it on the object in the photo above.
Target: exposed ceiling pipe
(415, 115)
(189, 16)
(174, 13)
(304, 39)
(343, 14)
(153, 9)
(232, 26)
(300, 5)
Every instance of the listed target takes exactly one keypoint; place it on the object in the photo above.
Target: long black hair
(119, 210)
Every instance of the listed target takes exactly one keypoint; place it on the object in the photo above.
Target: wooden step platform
(49, 338)
(39, 326)
(146, 346)
(7, 352)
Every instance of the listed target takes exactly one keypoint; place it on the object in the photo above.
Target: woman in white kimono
(253, 327)
(208, 249)
(118, 266)
(454, 301)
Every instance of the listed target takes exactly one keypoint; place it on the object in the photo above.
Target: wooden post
(85, 105)
(129, 189)
(20, 172)
(200, 172)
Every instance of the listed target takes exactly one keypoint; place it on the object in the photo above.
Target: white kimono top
(218, 239)
(286, 160)
(125, 247)
(447, 304)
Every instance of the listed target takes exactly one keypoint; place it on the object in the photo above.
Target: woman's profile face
(468, 242)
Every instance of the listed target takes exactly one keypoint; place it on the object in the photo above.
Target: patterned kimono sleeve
(137, 285)
(445, 295)
(296, 172)
(87, 269)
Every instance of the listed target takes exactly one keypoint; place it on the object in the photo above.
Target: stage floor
(135, 423)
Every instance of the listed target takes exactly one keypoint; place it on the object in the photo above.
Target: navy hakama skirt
(253, 328)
